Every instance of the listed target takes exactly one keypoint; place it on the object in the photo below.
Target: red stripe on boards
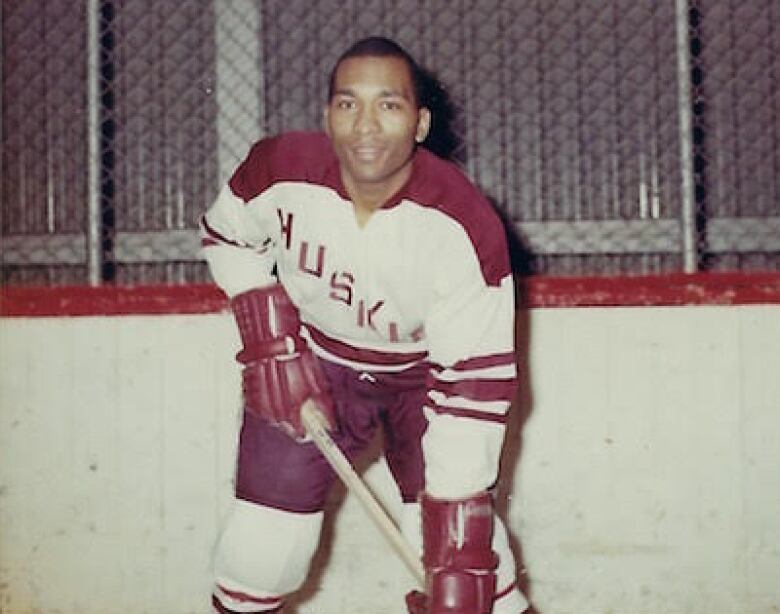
(535, 292)
(656, 290)
(111, 301)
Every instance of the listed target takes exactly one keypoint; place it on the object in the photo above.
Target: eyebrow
(391, 93)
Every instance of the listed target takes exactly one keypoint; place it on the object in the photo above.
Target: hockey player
(370, 276)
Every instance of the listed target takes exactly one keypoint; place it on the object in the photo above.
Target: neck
(368, 196)
(365, 204)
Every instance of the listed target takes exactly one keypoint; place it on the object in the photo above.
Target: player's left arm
(473, 379)
(470, 388)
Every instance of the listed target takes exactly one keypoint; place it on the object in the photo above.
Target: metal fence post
(94, 222)
(685, 113)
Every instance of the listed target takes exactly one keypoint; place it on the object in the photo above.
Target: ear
(423, 124)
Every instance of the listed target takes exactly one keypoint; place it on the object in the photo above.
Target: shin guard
(459, 561)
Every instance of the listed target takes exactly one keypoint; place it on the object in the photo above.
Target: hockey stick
(315, 426)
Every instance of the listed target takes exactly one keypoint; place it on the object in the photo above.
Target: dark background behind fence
(121, 119)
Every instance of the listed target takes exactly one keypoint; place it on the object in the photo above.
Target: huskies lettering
(342, 290)
(303, 260)
(366, 316)
(286, 226)
(312, 262)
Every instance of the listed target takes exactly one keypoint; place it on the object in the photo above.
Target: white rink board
(648, 479)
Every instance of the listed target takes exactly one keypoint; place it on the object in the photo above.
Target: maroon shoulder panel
(441, 185)
(293, 156)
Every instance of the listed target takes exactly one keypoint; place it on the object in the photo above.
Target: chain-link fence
(616, 136)
(736, 70)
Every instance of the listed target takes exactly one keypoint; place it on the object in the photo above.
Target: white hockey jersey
(427, 278)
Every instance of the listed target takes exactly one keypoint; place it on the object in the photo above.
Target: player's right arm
(239, 236)
(238, 233)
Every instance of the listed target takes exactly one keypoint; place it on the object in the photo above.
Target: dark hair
(443, 138)
(381, 47)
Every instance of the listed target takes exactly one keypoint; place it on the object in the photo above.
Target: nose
(366, 120)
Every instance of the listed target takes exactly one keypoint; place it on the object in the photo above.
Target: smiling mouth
(367, 153)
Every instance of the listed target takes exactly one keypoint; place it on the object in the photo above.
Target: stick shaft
(314, 424)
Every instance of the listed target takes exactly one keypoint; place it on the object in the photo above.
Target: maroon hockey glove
(459, 561)
(280, 372)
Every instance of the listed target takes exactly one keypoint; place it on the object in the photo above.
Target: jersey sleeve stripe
(506, 371)
(209, 236)
(500, 406)
(473, 414)
(476, 389)
(484, 362)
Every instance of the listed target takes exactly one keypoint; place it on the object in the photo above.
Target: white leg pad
(262, 555)
(509, 599)
(411, 525)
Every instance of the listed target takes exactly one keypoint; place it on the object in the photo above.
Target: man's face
(373, 121)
